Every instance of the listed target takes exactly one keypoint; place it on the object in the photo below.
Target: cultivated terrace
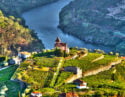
(92, 73)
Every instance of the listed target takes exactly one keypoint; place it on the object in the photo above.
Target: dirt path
(56, 73)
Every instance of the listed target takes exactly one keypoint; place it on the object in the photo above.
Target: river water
(44, 21)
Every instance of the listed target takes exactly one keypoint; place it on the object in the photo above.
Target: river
(44, 21)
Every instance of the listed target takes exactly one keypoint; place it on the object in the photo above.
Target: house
(70, 94)
(60, 45)
(122, 57)
(15, 60)
(80, 84)
(71, 69)
(36, 94)
(75, 70)
(24, 55)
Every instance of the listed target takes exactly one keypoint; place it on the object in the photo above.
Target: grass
(7, 73)
(13, 87)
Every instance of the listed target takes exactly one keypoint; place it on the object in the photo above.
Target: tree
(13, 35)
(1, 14)
(98, 94)
(3, 90)
(111, 53)
(117, 54)
(58, 52)
(121, 94)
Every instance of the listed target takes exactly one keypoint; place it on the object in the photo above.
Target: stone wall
(74, 77)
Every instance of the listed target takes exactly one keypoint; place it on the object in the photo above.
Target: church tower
(60, 45)
(57, 40)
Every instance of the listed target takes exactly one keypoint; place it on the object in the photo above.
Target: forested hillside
(96, 21)
(14, 36)
(16, 7)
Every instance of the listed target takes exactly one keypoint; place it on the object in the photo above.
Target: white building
(15, 60)
(36, 94)
(24, 55)
(83, 85)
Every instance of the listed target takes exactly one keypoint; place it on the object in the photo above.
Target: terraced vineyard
(48, 75)
(111, 82)
(86, 63)
(37, 72)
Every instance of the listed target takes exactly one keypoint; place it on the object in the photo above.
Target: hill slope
(14, 36)
(16, 7)
(39, 73)
(96, 22)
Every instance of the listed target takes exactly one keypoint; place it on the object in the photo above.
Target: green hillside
(14, 36)
(41, 74)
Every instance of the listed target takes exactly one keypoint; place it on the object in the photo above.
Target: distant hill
(96, 21)
(14, 36)
(16, 7)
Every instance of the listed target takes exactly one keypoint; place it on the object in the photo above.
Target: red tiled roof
(82, 85)
(60, 45)
(36, 92)
(123, 57)
(71, 94)
(63, 44)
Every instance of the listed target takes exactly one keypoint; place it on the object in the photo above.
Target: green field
(7, 73)
(13, 87)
